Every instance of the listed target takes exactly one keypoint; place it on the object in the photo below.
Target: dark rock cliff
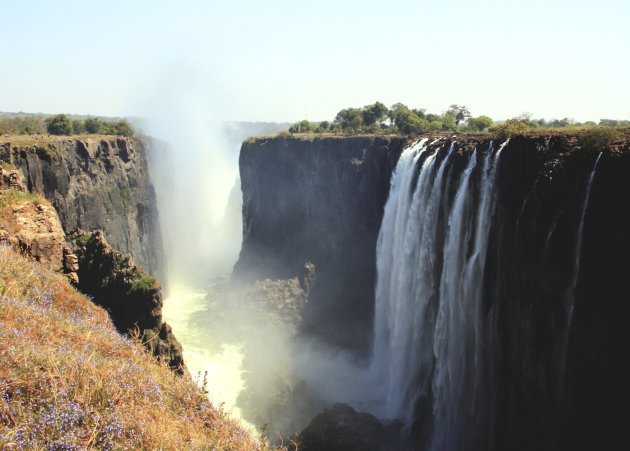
(132, 297)
(95, 183)
(546, 397)
(318, 200)
(553, 384)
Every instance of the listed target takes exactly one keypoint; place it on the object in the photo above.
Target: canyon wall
(552, 290)
(319, 201)
(95, 183)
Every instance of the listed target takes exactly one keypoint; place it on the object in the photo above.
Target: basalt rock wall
(321, 201)
(554, 285)
(95, 183)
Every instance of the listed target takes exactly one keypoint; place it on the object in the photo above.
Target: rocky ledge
(131, 296)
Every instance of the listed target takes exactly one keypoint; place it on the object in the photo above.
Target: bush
(142, 283)
(599, 138)
(512, 127)
(123, 128)
(28, 125)
(93, 125)
(78, 126)
(59, 125)
(480, 123)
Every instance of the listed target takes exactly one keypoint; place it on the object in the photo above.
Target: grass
(143, 282)
(9, 199)
(500, 132)
(45, 140)
(68, 380)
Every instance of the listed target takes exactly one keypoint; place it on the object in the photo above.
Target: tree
(302, 127)
(397, 113)
(458, 112)
(480, 123)
(374, 114)
(93, 125)
(350, 118)
(59, 125)
(123, 128)
(324, 125)
(78, 126)
(306, 126)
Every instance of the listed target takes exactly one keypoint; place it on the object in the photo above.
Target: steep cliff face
(556, 283)
(539, 356)
(94, 183)
(132, 297)
(318, 200)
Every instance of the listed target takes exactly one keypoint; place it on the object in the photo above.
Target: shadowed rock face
(96, 184)
(341, 428)
(544, 398)
(319, 201)
(132, 298)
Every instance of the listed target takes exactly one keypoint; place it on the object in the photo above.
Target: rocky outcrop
(341, 428)
(318, 200)
(94, 183)
(132, 297)
(31, 226)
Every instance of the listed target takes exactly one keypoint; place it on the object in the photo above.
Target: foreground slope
(68, 380)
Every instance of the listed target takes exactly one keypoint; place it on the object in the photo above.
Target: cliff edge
(94, 183)
(318, 200)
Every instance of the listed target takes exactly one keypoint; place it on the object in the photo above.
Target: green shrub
(599, 138)
(83, 240)
(59, 125)
(123, 128)
(93, 125)
(480, 123)
(78, 126)
(143, 282)
(510, 128)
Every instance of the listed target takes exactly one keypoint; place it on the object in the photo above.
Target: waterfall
(572, 289)
(430, 331)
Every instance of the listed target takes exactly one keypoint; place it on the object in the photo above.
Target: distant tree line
(401, 119)
(61, 124)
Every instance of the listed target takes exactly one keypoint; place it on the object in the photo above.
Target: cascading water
(435, 331)
(572, 289)
(429, 326)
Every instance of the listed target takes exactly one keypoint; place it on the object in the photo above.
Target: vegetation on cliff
(68, 380)
(401, 119)
(62, 124)
(132, 297)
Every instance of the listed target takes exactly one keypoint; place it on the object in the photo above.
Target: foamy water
(183, 309)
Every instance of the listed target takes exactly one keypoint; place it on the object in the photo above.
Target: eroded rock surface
(93, 183)
(318, 200)
(132, 297)
(341, 428)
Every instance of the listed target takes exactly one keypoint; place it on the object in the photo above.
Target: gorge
(498, 272)
(447, 292)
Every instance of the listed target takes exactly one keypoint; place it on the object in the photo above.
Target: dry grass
(45, 139)
(11, 199)
(69, 381)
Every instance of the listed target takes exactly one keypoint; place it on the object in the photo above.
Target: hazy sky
(285, 60)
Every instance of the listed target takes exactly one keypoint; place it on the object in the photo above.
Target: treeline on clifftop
(401, 119)
(62, 124)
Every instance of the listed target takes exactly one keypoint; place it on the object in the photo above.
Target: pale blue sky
(285, 60)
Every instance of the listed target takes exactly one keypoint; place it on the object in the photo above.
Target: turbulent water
(192, 312)
(432, 335)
